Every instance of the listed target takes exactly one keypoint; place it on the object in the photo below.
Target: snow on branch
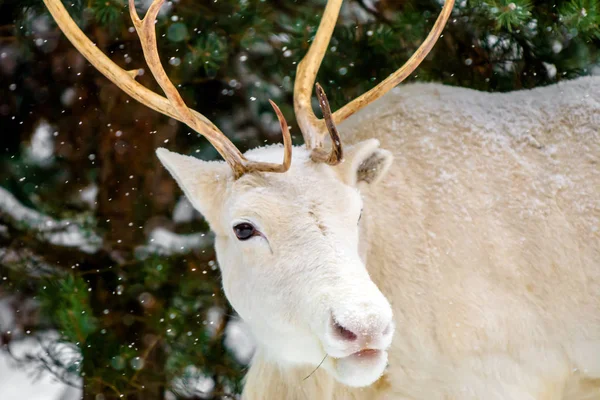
(165, 242)
(44, 356)
(27, 262)
(66, 233)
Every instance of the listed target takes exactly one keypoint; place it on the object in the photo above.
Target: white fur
(484, 236)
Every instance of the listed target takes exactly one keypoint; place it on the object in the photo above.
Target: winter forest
(109, 284)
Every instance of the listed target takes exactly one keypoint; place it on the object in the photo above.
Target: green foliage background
(140, 317)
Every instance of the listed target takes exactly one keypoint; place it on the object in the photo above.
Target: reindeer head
(287, 234)
(289, 255)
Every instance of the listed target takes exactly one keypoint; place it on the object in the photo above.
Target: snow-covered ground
(22, 384)
(18, 383)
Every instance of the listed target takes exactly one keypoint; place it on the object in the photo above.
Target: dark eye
(244, 231)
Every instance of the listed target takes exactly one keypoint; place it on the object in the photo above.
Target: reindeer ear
(203, 182)
(365, 163)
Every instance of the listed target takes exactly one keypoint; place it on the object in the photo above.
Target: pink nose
(373, 331)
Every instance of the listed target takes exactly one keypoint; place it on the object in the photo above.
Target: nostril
(344, 333)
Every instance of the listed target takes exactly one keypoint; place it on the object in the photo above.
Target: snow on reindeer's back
(422, 108)
(542, 145)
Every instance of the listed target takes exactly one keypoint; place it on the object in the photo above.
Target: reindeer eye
(244, 231)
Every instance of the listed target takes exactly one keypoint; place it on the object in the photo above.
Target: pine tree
(77, 222)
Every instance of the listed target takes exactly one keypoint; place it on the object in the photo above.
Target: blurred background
(109, 287)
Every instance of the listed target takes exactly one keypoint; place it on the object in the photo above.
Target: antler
(337, 153)
(172, 106)
(314, 129)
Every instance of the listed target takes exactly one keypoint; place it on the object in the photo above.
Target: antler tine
(401, 74)
(172, 106)
(335, 156)
(287, 140)
(147, 35)
(310, 125)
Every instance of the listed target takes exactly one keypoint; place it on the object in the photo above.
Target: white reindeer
(482, 242)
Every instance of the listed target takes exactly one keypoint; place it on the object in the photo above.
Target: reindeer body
(485, 238)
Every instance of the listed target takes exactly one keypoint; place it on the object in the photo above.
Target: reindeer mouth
(365, 356)
(367, 353)
(362, 368)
